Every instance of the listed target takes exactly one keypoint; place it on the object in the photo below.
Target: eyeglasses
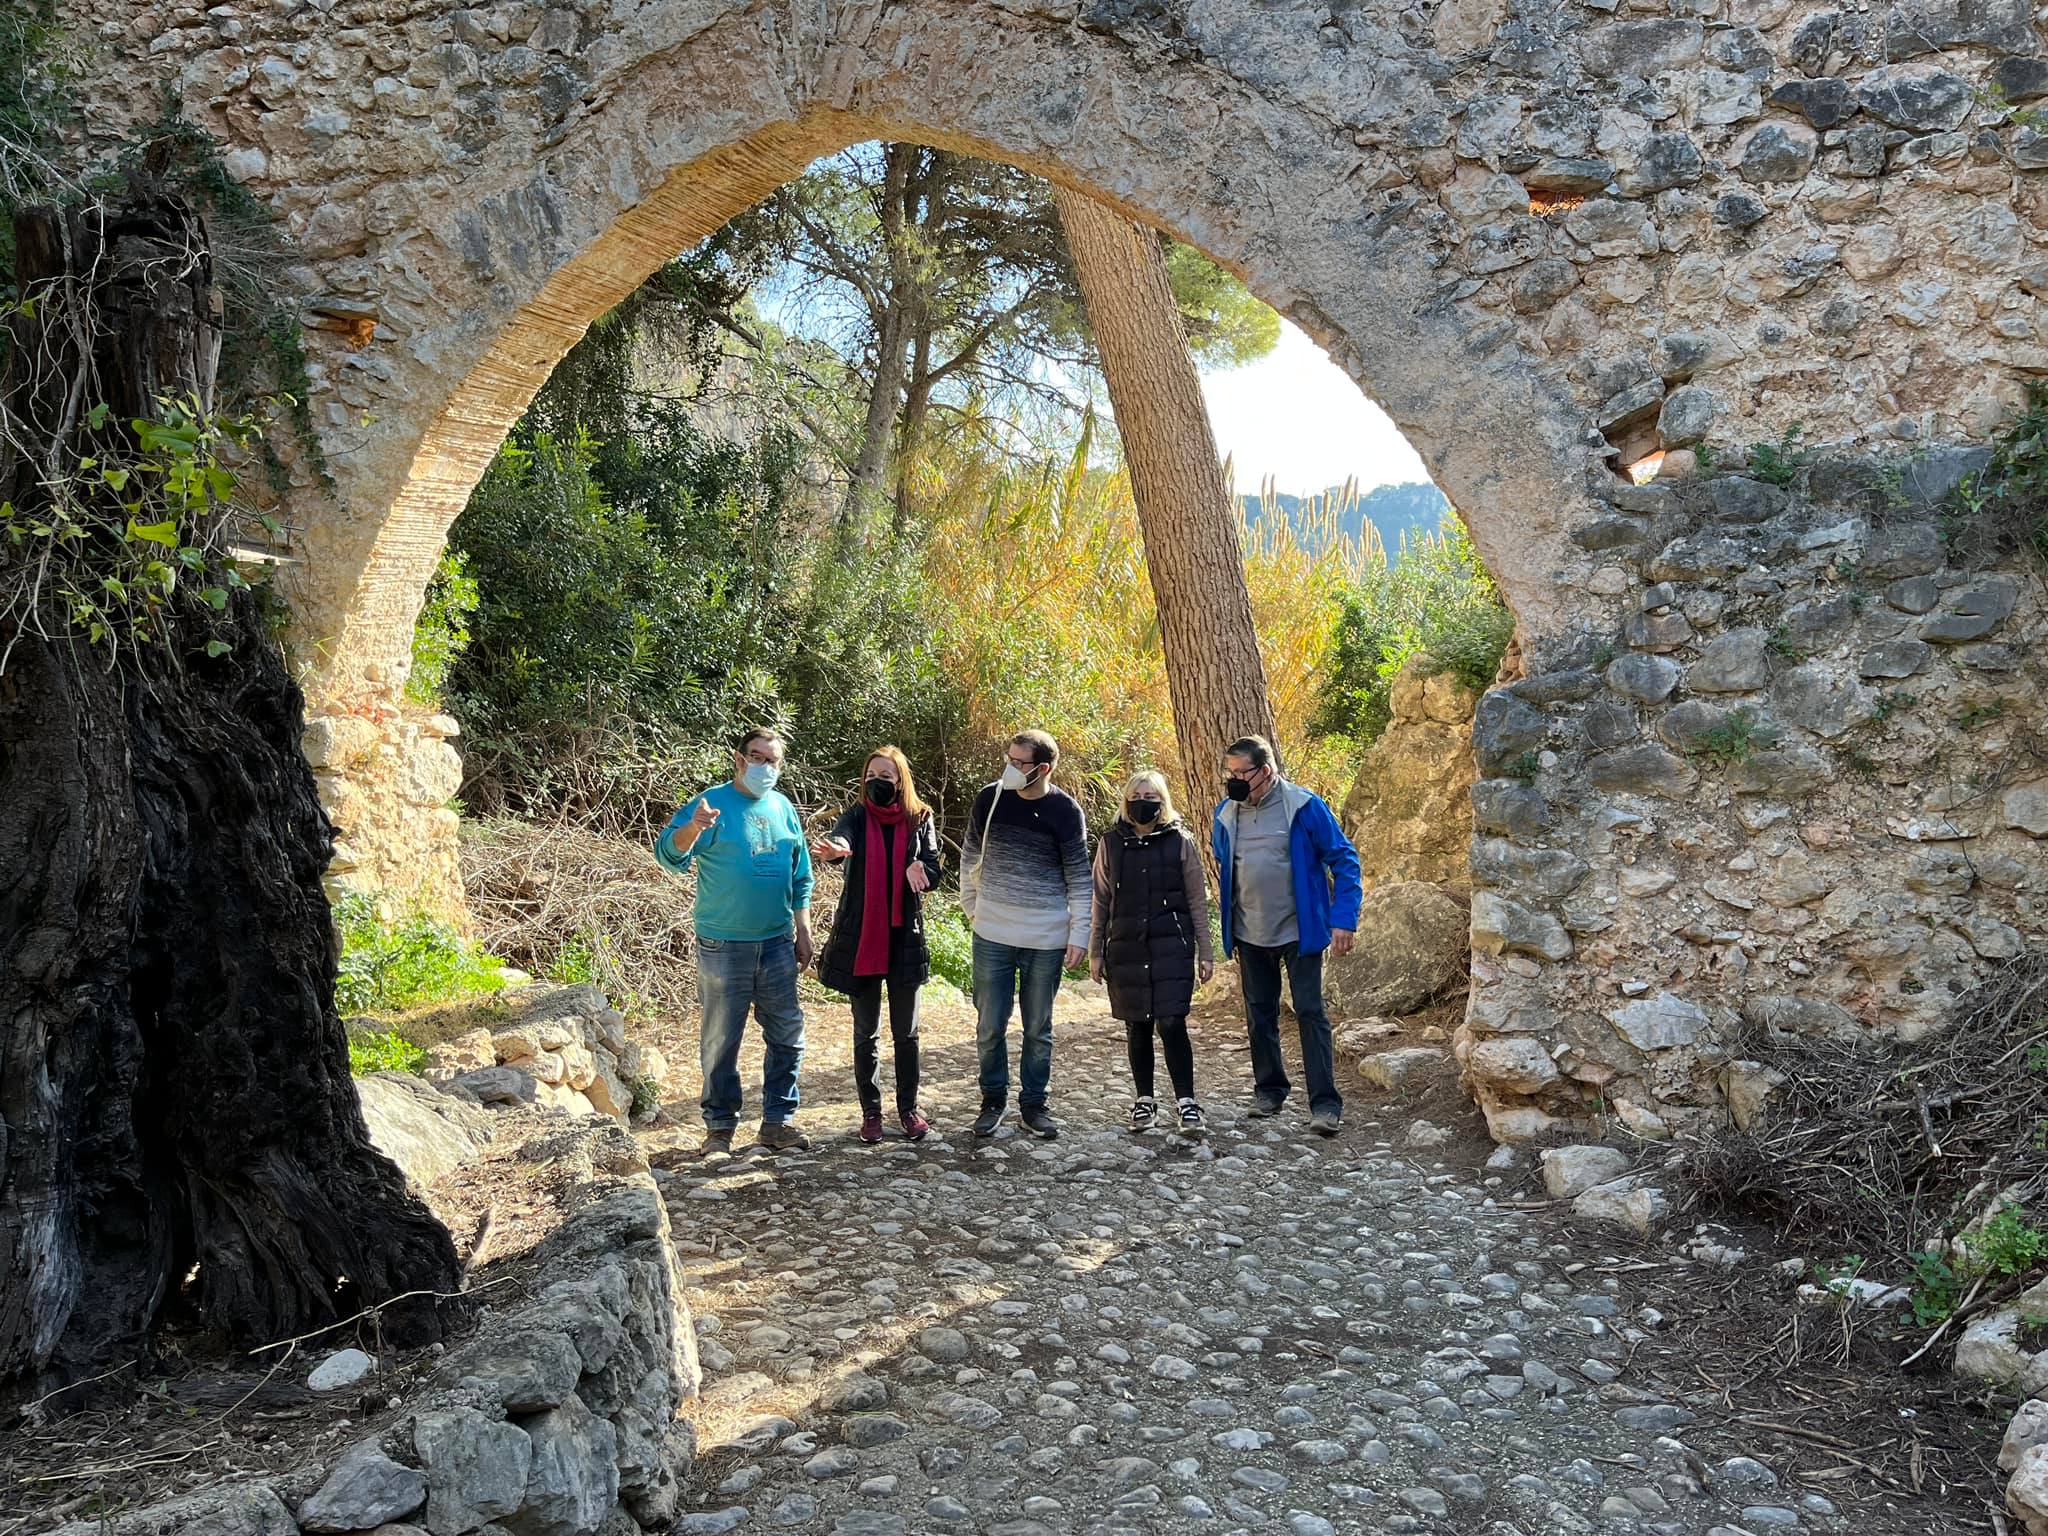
(764, 759)
(1243, 775)
(1024, 766)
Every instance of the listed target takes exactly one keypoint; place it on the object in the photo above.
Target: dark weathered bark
(1215, 676)
(175, 1097)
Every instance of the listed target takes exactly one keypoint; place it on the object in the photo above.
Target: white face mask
(1013, 777)
(762, 777)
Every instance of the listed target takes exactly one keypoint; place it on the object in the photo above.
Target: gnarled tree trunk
(179, 1136)
(1215, 676)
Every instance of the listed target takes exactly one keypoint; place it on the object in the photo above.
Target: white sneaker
(1144, 1115)
(1192, 1121)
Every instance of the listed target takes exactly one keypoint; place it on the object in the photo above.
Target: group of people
(1137, 913)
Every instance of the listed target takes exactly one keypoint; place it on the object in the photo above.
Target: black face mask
(881, 791)
(1237, 789)
(1143, 812)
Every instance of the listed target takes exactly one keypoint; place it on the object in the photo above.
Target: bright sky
(1296, 416)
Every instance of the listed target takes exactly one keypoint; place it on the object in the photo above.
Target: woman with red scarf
(877, 939)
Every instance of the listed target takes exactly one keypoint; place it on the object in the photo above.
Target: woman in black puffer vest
(1150, 941)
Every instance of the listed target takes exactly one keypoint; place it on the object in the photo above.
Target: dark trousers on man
(1260, 968)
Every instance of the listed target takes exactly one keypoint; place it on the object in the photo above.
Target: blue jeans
(732, 976)
(1260, 969)
(1003, 975)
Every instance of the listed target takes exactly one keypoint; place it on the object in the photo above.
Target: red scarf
(883, 884)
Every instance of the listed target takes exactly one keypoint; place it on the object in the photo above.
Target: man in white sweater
(1026, 888)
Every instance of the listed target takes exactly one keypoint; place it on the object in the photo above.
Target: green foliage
(1890, 702)
(950, 940)
(1435, 600)
(640, 600)
(1226, 327)
(2008, 1244)
(2005, 505)
(1831, 1273)
(132, 538)
(1735, 739)
(382, 1051)
(386, 968)
(1937, 1287)
(1779, 463)
(1780, 640)
(1525, 767)
(1975, 715)
(442, 633)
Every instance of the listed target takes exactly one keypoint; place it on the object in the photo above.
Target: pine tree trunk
(1214, 674)
(180, 1140)
(889, 311)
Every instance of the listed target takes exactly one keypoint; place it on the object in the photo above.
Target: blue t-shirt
(753, 864)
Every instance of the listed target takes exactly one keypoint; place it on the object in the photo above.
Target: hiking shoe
(871, 1127)
(915, 1126)
(1323, 1123)
(781, 1136)
(717, 1142)
(1038, 1122)
(990, 1117)
(1263, 1108)
(1192, 1120)
(1144, 1115)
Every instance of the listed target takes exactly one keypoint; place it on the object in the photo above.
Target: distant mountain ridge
(1415, 507)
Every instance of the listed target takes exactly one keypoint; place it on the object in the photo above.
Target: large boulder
(1410, 809)
(1411, 950)
(424, 1131)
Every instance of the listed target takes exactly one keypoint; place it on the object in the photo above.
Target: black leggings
(866, 998)
(1180, 1055)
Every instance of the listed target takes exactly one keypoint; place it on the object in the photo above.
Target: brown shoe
(781, 1136)
(717, 1142)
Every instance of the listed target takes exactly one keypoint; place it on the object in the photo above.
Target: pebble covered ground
(1262, 1331)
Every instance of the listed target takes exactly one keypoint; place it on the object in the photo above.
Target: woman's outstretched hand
(919, 877)
(831, 848)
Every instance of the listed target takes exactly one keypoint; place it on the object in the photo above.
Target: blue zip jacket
(1327, 889)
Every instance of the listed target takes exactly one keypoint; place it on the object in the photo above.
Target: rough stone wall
(1799, 790)
(1546, 236)
(560, 1416)
(1410, 807)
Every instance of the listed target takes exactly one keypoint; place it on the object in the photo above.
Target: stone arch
(1544, 237)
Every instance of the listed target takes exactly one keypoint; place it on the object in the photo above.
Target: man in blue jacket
(1290, 891)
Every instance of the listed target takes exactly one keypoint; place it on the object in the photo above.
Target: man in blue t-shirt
(753, 921)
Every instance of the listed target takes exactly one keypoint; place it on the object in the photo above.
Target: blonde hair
(1152, 778)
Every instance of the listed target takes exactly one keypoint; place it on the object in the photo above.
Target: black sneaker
(1263, 1108)
(781, 1136)
(1038, 1122)
(1144, 1115)
(1323, 1123)
(990, 1117)
(1192, 1121)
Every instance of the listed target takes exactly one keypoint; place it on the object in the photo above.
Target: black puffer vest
(1148, 955)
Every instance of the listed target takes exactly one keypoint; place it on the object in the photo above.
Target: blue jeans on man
(733, 976)
(1005, 975)
(1260, 968)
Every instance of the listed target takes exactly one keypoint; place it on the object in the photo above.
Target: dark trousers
(1260, 969)
(1180, 1054)
(866, 998)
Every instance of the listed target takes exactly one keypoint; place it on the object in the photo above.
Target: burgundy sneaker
(915, 1125)
(871, 1128)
